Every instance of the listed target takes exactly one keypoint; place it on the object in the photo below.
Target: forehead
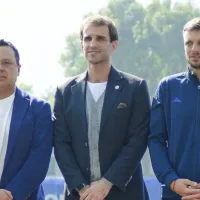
(92, 30)
(191, 35)
(6, 52)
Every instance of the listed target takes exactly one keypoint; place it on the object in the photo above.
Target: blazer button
(86, 144)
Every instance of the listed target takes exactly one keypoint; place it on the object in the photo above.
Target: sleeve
(121, 171)
(63, 147)
(34, 170)
(157, 141)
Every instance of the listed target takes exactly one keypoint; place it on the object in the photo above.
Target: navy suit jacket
(29, 148)
(123, 134)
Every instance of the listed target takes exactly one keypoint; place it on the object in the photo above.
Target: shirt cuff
(107, 182)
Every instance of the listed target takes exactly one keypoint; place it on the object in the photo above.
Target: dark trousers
(171, 198)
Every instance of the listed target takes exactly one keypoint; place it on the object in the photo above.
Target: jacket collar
(113, 75)
(190, 75)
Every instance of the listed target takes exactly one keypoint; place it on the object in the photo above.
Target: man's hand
(196, 186)
(185, 187)
(83, 190)
(97, 191)
(195, 196)
(5, 195)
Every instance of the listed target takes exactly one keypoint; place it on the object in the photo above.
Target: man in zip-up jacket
(174, 141)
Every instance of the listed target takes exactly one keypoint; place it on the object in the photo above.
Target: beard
(197, 66)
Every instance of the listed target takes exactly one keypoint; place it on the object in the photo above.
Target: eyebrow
(7, 59)
(187, 41)
(87, 37)
(98, 36)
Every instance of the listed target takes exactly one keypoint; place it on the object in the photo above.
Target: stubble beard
(197, 66)
(95, 60)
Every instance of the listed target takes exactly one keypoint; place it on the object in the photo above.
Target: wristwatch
(80, 187)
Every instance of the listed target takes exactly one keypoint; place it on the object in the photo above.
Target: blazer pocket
(121, 105)
(121, 111)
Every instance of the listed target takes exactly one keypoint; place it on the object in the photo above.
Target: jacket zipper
(196, 134)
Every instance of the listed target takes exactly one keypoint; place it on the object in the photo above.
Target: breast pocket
(121, 110)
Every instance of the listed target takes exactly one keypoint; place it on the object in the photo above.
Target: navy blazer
(29, 148)
(123, 134)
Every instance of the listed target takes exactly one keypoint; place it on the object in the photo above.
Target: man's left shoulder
(131, 78)
(34, 101)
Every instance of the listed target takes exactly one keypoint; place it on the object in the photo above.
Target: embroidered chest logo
(176, 100)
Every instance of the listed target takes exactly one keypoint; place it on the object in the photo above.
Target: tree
(25, 87)
(150, 40)
(73, 58)
(48, 95)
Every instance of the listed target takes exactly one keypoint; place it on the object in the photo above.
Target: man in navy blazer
(101, 123)
(25, 134)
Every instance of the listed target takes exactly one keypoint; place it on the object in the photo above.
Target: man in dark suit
(101, 124)
(26, 134)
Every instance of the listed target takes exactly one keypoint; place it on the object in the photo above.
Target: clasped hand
(96, 191)
(5, 195)
(189, 190)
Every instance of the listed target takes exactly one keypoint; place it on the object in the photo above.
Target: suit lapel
(113, 89)
(79, 101)
(20, 105)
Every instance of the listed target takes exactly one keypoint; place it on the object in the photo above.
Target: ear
(19, 67)
(114, 45)
(81, 44)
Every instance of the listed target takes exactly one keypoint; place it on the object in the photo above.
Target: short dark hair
(9, 44)
(192, 25)
(98, 20)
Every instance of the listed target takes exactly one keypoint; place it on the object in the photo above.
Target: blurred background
(46, 33)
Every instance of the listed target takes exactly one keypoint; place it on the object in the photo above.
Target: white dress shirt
(6, 106)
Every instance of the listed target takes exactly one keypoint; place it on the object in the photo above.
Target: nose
(92, 42)
(1, 67)
(196, 48)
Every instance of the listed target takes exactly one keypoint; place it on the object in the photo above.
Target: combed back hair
(98, 20)
(192, 25)
(4, 43)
